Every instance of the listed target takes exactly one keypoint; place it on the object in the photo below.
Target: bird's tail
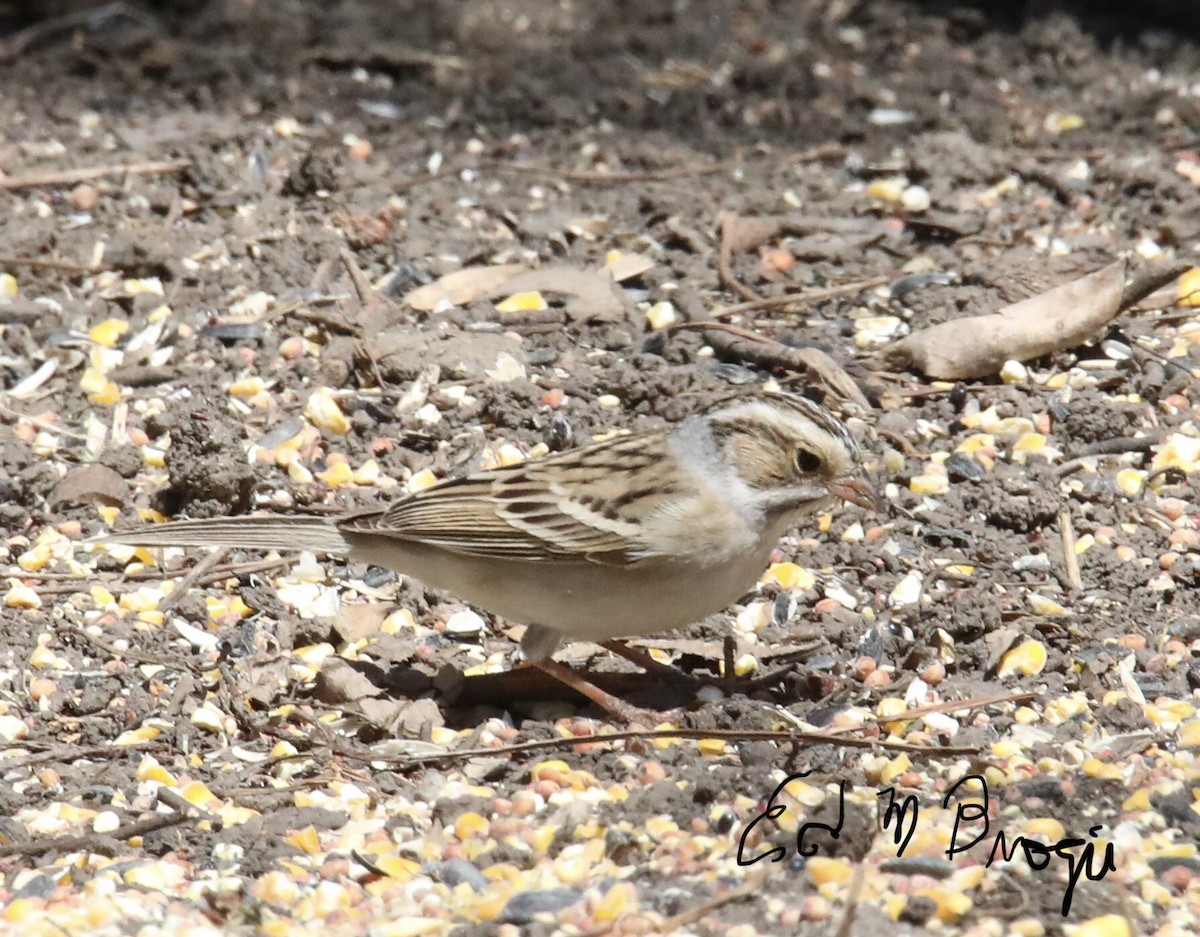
(251, 532)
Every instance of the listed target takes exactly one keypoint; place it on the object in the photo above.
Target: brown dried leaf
(340, 681)
(88, 484)
(463, 286)
(1053, 321)
(627, 266)
(404, 718)
(358, 620)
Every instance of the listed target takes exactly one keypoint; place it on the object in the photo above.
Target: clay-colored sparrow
(634, 535)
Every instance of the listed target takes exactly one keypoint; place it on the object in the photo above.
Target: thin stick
(106, 844)
(774, 302)
(954, 705)
(189, 579)
(749, 889)
(37, 180)
(47, 263)
(734, 735)
(1070, 557)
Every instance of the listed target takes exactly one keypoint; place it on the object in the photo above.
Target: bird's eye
(807, 461)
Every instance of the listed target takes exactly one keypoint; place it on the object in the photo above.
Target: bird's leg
(623, 711)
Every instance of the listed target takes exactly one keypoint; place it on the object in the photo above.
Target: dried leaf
(340, 681)
(463, 286)
(88, 484)
(1053, 321)
(358, 620)
(404, 718)
(627, 266)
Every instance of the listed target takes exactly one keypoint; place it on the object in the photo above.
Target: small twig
(1066, 531)
(190, 578)
(733, 735)
(854, 894)
(19, 42)
(811, 296)
(128, 654)
(75, 753)
(954, 705)
(674, 924)
(46, 263)
(105, 844)
(769, 354)
(602, 178)
(37, 180)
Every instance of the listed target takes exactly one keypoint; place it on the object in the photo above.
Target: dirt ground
(299, 169)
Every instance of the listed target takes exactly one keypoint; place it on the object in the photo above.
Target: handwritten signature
(900, 818)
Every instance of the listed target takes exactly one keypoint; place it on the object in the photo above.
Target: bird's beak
(856, 491)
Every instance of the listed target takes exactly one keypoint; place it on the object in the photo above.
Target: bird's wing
(587, 503)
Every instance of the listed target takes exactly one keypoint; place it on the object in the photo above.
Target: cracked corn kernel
(529, 301)
(470, 824)
(150, 770)
(1044, 606)
(1095, 768)
(1189, 288)
(661, 315)
(1130, 481)
(8, 286)
(208, 717)
(1180, 452)
(619, 900)
(197, 794)
(421, 480)
(108, 332)
(1107, 925)
(1027, 658)
(338, 475)
(306, 840)
(298, 473)
(887, 190)
(322, 411)
(137, 736)
(1189, 734)
(790, 576)
(247, 387)
(711, 746)
(397, 867)
(20, 596)
(822, 870)
(36, 558)
(1013, 372)
(1048, 827)
(929, 484)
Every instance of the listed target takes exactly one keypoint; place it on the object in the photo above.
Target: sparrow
(635, 535)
